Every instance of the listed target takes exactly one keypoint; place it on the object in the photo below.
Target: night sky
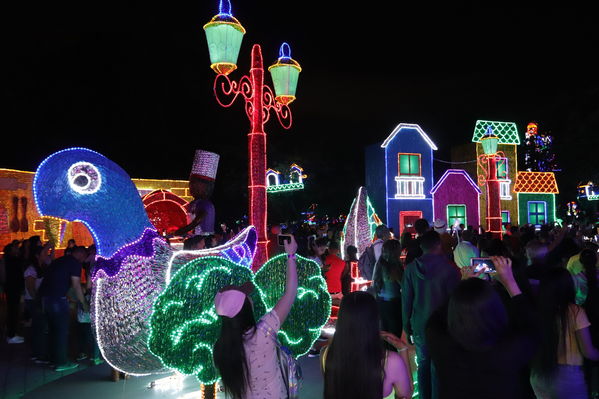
(133, 82)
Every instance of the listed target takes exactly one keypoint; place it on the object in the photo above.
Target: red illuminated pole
(259, 100)
(257, 159)
(493, 200)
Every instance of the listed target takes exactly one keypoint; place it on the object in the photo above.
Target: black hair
(321, 242)
(476, 316)
(406, 239)
(78, 249)
(430, 240)
(421, 226)
(354, 360)
(556, 294)
(382, 231)
(390, 263)
(229, 353)
(333, 245)
(496, 247)
(352, 253)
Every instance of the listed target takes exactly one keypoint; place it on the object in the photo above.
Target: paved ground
(19, 374)
(20, 377)
(94, 382)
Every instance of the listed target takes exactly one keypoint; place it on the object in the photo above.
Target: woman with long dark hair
(481, 347)
(565, 340)
(355, 364)
(386, 277)
(245, 354)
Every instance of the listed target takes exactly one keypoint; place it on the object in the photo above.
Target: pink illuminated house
(456, 199)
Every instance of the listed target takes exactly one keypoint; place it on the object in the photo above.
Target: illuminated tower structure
(506, 167)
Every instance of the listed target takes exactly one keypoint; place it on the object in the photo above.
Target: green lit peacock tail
(184, 325)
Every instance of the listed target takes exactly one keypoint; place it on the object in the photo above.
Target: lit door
(407, 220)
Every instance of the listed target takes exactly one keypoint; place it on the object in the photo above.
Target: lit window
(409, 164)
(502, 170)
(456, 213)
(537, 212)
(505, 216)
(504, 189)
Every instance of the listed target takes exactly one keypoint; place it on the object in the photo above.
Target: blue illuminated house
(399, 177)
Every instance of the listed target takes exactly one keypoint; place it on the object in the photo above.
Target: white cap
(439, 226)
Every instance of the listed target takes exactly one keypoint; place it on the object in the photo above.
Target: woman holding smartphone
(480, 346)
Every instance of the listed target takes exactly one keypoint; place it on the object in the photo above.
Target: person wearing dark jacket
(427, 283)
(480, 336)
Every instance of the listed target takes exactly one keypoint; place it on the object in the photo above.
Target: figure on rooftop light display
(200, 211)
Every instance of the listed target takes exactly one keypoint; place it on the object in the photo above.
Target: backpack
(291, 371)
(366, 263)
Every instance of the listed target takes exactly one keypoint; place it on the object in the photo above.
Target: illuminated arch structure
(295, 180)
(165, 210)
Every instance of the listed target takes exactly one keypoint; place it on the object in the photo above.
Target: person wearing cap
(201, 213)
(245, 353)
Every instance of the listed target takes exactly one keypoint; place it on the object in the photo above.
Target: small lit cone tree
(185, 326)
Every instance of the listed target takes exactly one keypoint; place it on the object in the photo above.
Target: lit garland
(294, 184)
(311, 308)
(184, 325)
(240, 250)
(285, 187)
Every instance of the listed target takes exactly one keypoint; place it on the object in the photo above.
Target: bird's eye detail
(84, 178)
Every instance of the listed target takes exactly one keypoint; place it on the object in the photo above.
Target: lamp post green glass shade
(285, 73)
(489, 142)
(224, 34)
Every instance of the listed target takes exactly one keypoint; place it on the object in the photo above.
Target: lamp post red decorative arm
(489, 164)
(259, 101)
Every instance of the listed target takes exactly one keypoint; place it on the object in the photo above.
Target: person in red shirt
(334, 266)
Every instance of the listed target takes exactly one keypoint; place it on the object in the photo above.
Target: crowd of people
(523, 326)
(56, 294)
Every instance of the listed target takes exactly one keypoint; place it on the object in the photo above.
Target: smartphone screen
(483, 264)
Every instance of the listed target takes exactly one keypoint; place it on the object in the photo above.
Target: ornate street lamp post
(224, 34)
(488, 162)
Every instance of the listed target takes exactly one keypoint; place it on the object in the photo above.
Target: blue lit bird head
(78, 184)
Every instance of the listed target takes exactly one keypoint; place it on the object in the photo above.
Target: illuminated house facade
(401, 170)
(536, 196)
(507, 168)
(456, 199)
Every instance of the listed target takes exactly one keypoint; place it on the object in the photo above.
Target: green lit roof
(506, 131)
